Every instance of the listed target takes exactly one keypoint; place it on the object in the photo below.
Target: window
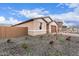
(40, 27)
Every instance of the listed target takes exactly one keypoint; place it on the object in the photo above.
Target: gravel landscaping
(41, 45)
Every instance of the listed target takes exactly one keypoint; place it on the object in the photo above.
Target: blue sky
(12, 13)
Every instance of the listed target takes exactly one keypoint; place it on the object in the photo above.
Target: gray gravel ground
(39, 46)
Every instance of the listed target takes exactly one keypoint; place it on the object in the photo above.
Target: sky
(13, 13)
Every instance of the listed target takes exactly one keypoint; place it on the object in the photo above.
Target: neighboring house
(40, 25)
(73, 29)
(64, 28)
(60, 25)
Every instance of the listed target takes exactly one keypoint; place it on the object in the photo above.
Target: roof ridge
(33, 19)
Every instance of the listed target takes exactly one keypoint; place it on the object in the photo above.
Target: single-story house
(38, 26)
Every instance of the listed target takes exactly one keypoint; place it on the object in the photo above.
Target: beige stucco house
(40, 25)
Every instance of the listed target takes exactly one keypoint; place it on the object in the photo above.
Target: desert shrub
(27, 49)
(41, 37)
(51, 42)
(61, 39)
(26, 38)
(24, 45)
(55, 53)
(55, 34)
(9, 41)
(68, 38)
(77, 41)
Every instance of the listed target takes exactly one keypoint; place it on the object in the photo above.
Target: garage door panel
(53, 28)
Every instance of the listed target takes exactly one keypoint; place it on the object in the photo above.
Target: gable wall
(37, 25)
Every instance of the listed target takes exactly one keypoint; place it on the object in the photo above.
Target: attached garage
(53, 27)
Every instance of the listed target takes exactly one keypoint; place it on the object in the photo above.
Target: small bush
(55, 34)
(51, 42)
(68, 38)
(55, 53)
(41, 37)
(9, 41)
(24, 45)
(26, 38)
(77, 41)
(61, 39)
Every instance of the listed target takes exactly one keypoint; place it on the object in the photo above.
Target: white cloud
(33, 13)
(11, 20)
(72, 5)
(2, 19)
(60, 4)
(69, 16)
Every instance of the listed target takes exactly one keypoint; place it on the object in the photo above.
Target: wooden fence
(11, 32)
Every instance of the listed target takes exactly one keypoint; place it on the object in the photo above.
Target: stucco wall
(38, 31)
(33, 27)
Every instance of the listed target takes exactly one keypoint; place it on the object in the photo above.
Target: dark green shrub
(26, 38)
(41, 37)
(51, 42)
(24, 45)
(9, 41)
(55, 53)
(68, 38)
(61, 40)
